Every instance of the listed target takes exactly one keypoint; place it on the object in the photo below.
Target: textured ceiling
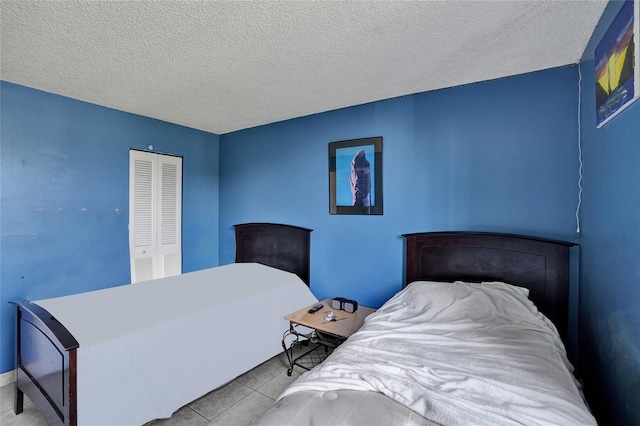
(225, 66)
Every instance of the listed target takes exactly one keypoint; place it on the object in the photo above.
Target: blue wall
(65, 195)
(610, 239)
(495, 156)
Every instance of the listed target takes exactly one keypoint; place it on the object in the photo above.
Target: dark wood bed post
(73, 388)
(18, 395)
(46, 365)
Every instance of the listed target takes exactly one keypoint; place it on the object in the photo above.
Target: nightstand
(314, 328)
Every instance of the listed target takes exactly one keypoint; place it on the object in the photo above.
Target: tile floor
(239, 402)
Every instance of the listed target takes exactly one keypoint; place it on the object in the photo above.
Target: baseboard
(7, 378)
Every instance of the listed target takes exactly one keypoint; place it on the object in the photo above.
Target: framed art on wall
(617, 63)
(355, 176)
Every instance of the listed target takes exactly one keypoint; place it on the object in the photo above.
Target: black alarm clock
(349, 306)
(344, 304)
(336, 302)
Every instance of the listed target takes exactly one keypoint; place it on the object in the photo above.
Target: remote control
(316, 308)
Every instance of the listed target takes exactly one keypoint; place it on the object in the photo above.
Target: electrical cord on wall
(579, 150)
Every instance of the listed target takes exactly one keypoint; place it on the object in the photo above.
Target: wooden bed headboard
(541, 265)
(281, 246)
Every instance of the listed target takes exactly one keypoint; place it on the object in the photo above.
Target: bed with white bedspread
(149, 348)
(476, 352)
(134, 353)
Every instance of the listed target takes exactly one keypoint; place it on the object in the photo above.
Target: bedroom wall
(610, 240)
(495, 156)
(65, 195)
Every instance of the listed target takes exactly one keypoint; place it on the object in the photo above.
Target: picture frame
(355, 177)
(617, 64)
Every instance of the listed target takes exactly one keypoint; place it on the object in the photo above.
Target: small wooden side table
(328, 333)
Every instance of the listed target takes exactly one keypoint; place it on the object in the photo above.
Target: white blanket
(459, 354)
(149, 348)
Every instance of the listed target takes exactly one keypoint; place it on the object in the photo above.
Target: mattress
(341, 407)
(454, 353)
(149, 348)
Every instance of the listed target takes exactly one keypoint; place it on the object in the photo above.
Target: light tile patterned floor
(239, 402)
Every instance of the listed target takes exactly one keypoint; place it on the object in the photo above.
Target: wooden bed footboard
(46, 364)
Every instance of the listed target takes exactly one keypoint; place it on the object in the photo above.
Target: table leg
(289, 351)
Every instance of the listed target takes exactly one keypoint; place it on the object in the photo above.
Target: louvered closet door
(170, 215)
(155, 215)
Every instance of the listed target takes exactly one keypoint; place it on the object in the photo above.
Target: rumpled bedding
(459, 354)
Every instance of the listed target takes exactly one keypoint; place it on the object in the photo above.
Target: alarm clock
(344, 304)
(336, 302)
(350, 306)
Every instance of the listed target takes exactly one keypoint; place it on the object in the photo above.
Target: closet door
(170, 216)
(155, 215)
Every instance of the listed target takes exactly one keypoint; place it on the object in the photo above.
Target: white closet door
(170, 215)
(155, 215)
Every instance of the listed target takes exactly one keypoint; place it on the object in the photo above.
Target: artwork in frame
(355, 176)
(617, 64)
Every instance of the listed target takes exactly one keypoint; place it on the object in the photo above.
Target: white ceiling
(224, 66)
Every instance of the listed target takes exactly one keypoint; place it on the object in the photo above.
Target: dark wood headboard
(541, 265)
(284, 247)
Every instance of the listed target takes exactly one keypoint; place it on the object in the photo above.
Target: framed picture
(355, 176)
(617, 64)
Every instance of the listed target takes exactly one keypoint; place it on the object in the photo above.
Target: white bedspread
(459, 354)
(149, 348)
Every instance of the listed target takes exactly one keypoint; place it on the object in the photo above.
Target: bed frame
(541, 265)
(284, 247)
(46, 365)
(46, 350)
